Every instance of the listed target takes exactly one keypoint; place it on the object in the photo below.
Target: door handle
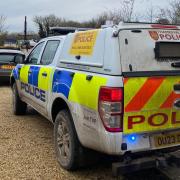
(176, 65)
(29, 72)
(89, 77)
(177, 87)
(19, 68)
(72, 74)
(177, 104)
(44, 74)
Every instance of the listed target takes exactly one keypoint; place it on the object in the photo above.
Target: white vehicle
(114, 90)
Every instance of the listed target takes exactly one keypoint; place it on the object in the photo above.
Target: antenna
(25, 29)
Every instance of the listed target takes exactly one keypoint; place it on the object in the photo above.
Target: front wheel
(19, 107)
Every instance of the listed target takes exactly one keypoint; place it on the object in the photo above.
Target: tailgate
(151, 104)
(150, 60)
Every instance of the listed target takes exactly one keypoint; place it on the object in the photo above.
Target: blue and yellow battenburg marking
(73, 86)
(62, 82)
(77, 89)
(33, 77)
(16, 71)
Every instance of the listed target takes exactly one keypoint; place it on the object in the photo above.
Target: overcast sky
(80, 10)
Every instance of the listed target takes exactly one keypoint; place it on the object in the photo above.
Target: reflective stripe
(170, 100)
(86, 92)
(33, 77)
(149, 93)
(131, 88)
(62, 81)
(16, 71)
(125, 80)
(148, 101)
(161, 94)
(144, 94)
(44, 81)
(145, 126)
(24, 73)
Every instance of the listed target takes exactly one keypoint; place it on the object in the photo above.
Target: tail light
(111, 108)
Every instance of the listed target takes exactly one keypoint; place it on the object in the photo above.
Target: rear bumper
(148, 142)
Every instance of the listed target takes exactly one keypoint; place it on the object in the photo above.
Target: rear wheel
(70, 153)
(19, 107)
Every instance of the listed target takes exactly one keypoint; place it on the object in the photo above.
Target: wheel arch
(12, 81)
(58, 105)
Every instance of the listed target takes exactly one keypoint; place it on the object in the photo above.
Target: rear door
(151, 68)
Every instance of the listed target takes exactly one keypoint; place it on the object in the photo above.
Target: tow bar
(168, 164)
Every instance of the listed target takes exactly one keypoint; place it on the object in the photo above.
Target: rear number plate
(167, 140)
(7, 67)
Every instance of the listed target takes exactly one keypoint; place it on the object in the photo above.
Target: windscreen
(146, 50)
(6, 58)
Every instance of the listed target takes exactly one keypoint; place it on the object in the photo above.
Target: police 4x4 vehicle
(114, 90)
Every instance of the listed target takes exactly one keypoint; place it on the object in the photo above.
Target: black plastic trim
(151, 73)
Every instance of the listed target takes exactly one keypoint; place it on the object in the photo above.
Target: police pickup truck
(114, 90)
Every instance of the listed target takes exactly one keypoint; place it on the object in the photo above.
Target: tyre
(70, 153)
(19, 107)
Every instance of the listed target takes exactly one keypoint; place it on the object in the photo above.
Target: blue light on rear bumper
(131, 138)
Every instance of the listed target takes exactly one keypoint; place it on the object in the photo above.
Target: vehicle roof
(11, 51)
(126, 25)
(53, 38)
(143, 25)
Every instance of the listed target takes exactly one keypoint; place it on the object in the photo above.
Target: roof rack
(56, 31)
(136, 22)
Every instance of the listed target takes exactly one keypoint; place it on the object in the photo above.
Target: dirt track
(26, 148)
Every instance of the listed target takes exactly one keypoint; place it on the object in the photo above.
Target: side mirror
(19, 59)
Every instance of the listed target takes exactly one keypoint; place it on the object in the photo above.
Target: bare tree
(127, 10)
(124, 13)
(151, 14)
(172, 13)
(3, 32)
(2, 23)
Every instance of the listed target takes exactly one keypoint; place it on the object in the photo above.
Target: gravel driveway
(26, 148)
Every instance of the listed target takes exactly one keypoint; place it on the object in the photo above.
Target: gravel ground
(26, 150)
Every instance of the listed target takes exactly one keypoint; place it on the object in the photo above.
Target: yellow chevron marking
(161, 94)
(131, 88)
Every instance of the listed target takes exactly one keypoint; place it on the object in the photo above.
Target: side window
(49, 52)
(34, 55)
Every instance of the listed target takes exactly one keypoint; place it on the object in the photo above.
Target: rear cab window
(150, 50)
(49, 52)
